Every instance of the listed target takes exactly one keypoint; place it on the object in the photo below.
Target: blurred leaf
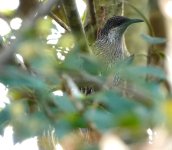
(16, 78)
(76, 120)
(102, 120)
(153, 40)
(73, 62)
(136, 77)
(115, 103)
(90, 65)
(65, 104)
(7, 12)
(62, 127)
(137, 72)
(4, 119)
(126, 113)
(39, 56)
(167, 110)
(18, 109)
(44, 26)
(29, 126)
(20, 93)
(66, 40)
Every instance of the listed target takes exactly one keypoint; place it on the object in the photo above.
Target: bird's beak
(131, 21)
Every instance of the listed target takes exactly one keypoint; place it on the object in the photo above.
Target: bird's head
(116, 26)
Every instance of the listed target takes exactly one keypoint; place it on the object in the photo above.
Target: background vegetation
(48, 68)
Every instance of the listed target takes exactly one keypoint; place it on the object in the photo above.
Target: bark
(76, 25)
(164, 6)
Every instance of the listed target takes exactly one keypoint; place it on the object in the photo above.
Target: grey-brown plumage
(109, 46)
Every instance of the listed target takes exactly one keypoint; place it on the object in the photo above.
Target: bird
(109, 45)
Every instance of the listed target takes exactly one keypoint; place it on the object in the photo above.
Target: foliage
(34, 109)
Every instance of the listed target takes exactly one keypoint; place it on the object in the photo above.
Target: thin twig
(59, 21)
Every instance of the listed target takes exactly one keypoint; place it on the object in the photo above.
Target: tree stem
(76, 25)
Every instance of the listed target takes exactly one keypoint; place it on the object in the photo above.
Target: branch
(7, 54)
(59, 21)
(92, 12)
(93, 17)
(75, 93)
(76, 25)
(164, 6)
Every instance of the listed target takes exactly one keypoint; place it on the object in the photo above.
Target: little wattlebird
(109, 46)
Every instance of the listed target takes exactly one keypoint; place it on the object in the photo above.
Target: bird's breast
(109, 51)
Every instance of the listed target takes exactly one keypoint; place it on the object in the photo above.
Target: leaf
(136, 77)
(4, 119)
(115, 102)
(72, 62)
(153, 40)
(66, 41)
(29, 126)
(167, 112)
(62, 127)
(65, 104)
(136, 72)
(15, 77)
(43, 26)
(126, 62)
(102, 120)
(125, 112)
(90, 65)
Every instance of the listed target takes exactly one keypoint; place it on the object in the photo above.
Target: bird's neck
(116, 39)
(111, 48)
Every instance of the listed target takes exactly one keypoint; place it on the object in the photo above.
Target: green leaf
(29, 126)
(124, 111)
(153, 40)
(65, 104)
(14, 77)
(76, 120)
(4, 119)
(136, 77)
(73, 62)
(137, 72)
(62, 127)
(115, 102)
(90, 65)
(66, 41)
(102, 120)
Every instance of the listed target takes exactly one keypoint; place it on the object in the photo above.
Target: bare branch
(59, 21)
(76, 25)
(93, 17)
